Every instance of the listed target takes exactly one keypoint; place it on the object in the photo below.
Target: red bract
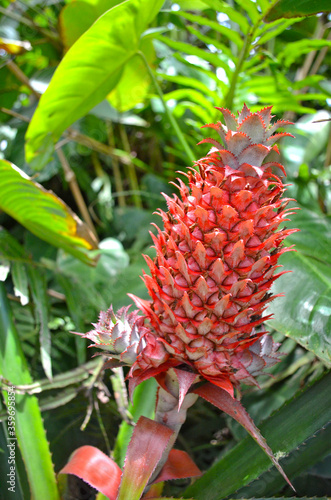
(216, 260)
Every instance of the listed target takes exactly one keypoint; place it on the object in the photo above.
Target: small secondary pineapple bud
(216, 258)
(123, 337)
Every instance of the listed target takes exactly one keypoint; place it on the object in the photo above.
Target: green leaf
(10, 247)
(43, 213)
(134, 84)
(250, 8)
(286, 429)
(228, 33)
(30, 432)
(304, 314)
(193, 96)
(20, 281)
(89, 71)
(268, 32)
(74, 19)
(296, 8)
(294, 50)
(37, 281)
(77, 17)
(212, 41)
(186, 82)
(213, 59)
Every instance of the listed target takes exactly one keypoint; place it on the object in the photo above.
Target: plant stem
(21, 77)
(242, 58)
(131, 172)
(170, 116)
(168, 413)
(70, 177)
(228, 101)
(15, 115)
(116, 169)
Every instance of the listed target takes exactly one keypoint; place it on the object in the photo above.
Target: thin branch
(70, 177)
(170, 116)
(22, 77)
(115, 165)
(130, 169)
(15, 115)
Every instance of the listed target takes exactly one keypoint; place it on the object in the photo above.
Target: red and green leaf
(149, 441)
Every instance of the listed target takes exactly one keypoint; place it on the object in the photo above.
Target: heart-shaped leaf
(89, 71)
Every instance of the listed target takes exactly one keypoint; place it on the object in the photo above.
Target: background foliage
(126, 100)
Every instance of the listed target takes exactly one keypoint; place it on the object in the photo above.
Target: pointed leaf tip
(185, 380)
(222, 400)
(178, 466)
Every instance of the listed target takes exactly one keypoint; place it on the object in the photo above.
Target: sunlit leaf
(43, 213)
(77, 17)
(89, 71)
(219, 28)
(135, 81)
(294, 50)
(186, 48)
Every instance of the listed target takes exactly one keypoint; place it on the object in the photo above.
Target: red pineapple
(210, 281)
(216, 260)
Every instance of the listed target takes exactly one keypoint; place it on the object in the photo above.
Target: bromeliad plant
(202, 332)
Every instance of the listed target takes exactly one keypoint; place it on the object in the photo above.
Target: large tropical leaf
(77, 17)
(43, 213)
(89, 71)
(304, 312)
(284, 431)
